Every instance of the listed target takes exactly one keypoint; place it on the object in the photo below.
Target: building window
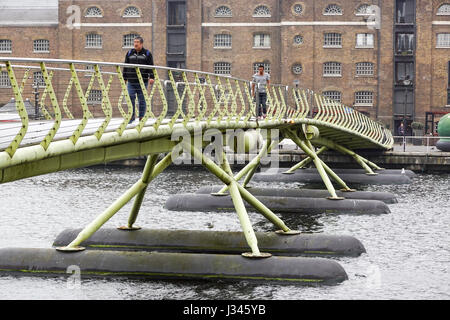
(262, 11)
(364, 69)
(95, 97)
(332, 40)
(128, 40)
(364, 40)
(93, 12)
(131, 12)
(443, 40)
(332, 69)
(364, 98)
(364, 10)
(333, 10)
(297, 69)
(5, 45)
(261, 41)
(405, 11)
(298, 39)
(41, 45)
(298, 9)
(404, 70)
(405, 43)
(223, 11)
(38, 79)
(222, 40)
(444, 10)
(265, 64)
(4, 80)
(333, 95)
(223, 68)
(94, 40)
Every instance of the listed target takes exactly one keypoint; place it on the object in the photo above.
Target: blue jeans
(134, 89)
(261, 103)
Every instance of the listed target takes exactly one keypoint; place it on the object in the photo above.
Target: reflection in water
(408, 248)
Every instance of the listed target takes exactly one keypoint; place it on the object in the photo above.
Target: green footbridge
(85, 114)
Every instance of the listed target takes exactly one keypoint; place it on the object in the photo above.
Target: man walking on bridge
(261, 79)
(138, 55)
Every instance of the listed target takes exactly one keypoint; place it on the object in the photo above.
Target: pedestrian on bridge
(261, 80)
(138, 55)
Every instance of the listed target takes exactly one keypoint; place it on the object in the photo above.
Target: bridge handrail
(204, 96)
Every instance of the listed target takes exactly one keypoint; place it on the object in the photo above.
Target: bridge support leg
(304, 162)
(138, 187)
(148, 169)
(309, 150)
(227, 178)
(250, 169)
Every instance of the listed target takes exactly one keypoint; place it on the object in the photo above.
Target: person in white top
(261, 80)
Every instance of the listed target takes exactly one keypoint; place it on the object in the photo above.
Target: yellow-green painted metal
(158, 85)
(54, 101)
(88, 92)
(20, 107)
(106, 104)
(66, 98)
(79, 130)
(46, 114)
(24, 79)
(130, 104)
(305, 161)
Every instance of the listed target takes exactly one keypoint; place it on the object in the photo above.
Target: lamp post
(406, 83)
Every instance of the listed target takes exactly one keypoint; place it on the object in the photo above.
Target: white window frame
(38, 77)
(97, 14)
(298, 5)
(365, 37)
(223, 41)
(130, 38)
(365, 69)
(130, 14)
(364, 10)
(261, 41)
(333, 10)
(95, 96)
(364, 99)
(443, 40)
(265, 64)
(444, 10)
(41, 46)
(262, 12)
(93, 43)
(333, 95)
(300, 37)
(4, 45)
(223, 12)
(332, 37)
(332, 69)
(222, 68)
(5, 82)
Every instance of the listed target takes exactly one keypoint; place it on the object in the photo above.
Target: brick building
(386, 58)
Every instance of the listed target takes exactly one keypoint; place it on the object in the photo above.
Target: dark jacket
(142, 57)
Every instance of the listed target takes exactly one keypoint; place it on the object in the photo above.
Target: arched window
(94, 12)
(364, 69)
(5, 45)
(444, 10)
(222, 40)
(41, 45)
(333, 10)
(131, 12)
(261, 11)
(333, 95)
(364, 98)
(223, 11)
(364, 10)
(128, 40)
(93, 40)
(332, 69)
(297, 68)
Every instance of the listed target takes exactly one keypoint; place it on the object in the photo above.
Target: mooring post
(148, 169)
(317, 162)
